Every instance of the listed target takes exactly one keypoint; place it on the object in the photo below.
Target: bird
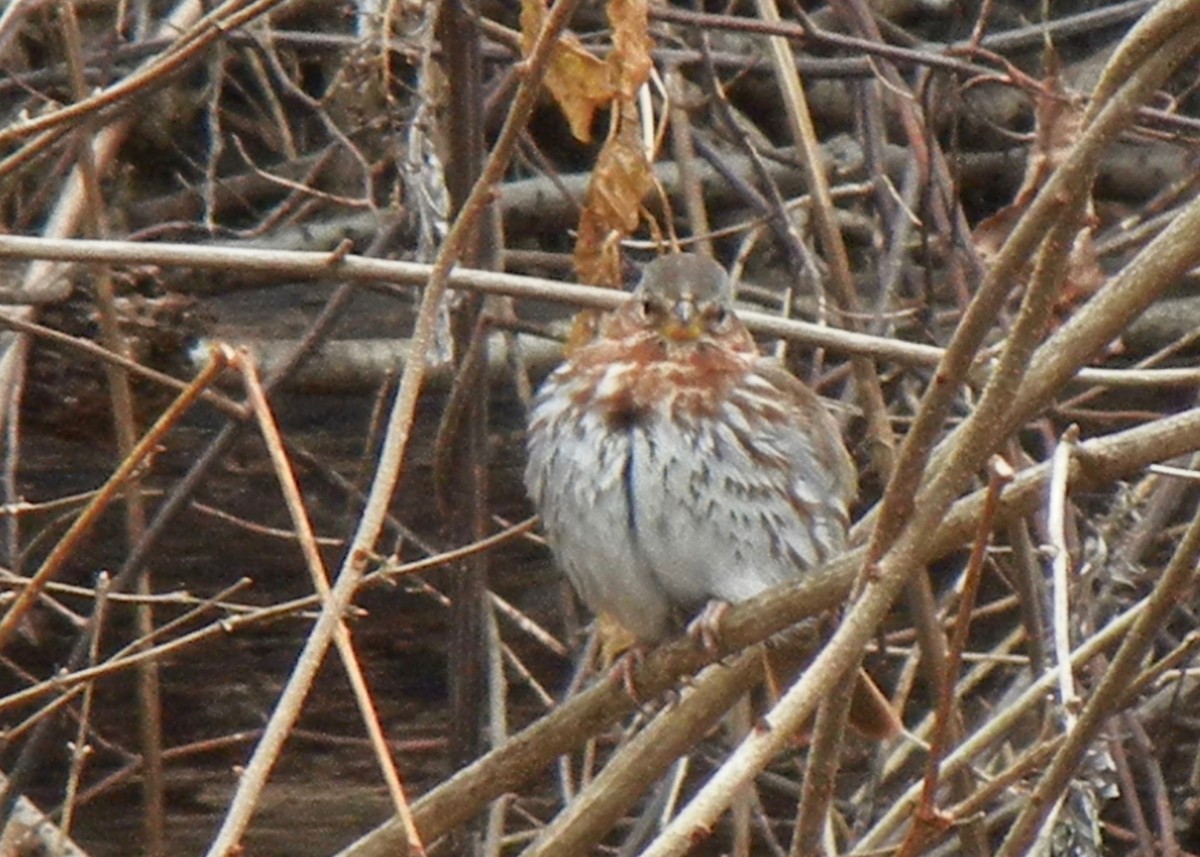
(674, 466)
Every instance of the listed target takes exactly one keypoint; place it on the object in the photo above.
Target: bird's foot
(705, 629)
(623, 669)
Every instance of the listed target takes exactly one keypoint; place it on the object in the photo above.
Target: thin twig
(645, 758)
(1060, 563)
(80, 750)
(320, 577)
(947, 714)
(90, 514)
(284, 263)
(1179, 576)
(394, 445)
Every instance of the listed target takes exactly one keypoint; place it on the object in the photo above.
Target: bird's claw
(623, 669)
(705, 629)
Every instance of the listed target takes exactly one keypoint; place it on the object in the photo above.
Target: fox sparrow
(674, 465)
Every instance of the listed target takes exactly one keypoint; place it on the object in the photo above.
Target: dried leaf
(579, 82)
(1059, 117)
(990, 233)
(620, 180)
(1084, 274)
(630, 57)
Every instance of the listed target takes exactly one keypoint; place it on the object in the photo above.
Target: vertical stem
(125, 426)
(462, 474)
(399, 431)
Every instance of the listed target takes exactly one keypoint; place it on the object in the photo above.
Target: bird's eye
(650, 308)
(717, 316)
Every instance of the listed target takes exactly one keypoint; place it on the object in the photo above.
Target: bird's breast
(639, 388)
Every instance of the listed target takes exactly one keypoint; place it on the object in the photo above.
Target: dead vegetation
(252, 254)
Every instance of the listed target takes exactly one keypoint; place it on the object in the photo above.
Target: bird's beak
(683, 322)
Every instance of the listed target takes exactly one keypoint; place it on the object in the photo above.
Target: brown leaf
(990, 233)
(612, 210)
(1059, 118)
(1059, 115)
(630, 58)
(1084, 274)
(579, 82)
